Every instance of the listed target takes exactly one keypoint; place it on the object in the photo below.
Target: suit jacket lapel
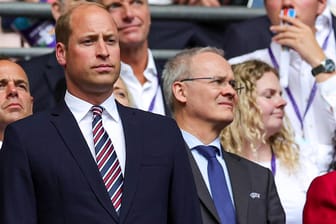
(240, 186)
(202, 190)
(134, 148)
(68, 128)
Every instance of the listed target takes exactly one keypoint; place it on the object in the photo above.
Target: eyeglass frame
(233, 83)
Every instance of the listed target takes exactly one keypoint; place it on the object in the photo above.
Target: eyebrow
(16, 81)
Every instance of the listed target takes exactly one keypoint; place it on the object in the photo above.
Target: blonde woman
(260, 132)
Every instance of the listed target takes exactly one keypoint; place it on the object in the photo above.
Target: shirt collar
(150, 71)
(192, 141)
(324, 21)
(81, 108)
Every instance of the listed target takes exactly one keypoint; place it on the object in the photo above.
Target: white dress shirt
(143, 95)
(292, 186)
(202, 162)
(111, 122)
(319, 123)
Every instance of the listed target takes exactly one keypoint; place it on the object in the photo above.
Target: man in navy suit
(201, 91)
(48, 169)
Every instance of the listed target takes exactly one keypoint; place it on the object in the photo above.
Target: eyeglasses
(218, 82)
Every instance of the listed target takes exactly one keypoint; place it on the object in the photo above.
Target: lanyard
(273, 164)
(151, 105)
(312, 93)
(292, 100)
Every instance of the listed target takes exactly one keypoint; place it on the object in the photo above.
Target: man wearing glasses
(200, 89)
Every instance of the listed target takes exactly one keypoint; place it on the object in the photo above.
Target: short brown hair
(63, 27)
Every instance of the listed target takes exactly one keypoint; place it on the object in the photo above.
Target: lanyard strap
(311, 97)
(151, 105)
(273, 164)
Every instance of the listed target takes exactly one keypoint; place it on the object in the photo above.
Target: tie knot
(207, 151)
(97, 110)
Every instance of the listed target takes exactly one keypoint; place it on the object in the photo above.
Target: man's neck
(137, 58)
(202, 130)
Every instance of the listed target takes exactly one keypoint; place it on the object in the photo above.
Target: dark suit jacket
(46, 79)
(48, 175)
(246, 177)
(321, 200)
(250, 35)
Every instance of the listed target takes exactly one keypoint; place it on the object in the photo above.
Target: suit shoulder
(147, 115)
(248, 163)
(36, 120)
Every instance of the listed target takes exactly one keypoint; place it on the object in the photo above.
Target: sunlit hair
(63, 28)
(247, 127)
(178, 68)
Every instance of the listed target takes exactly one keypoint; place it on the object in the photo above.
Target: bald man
(15, 99)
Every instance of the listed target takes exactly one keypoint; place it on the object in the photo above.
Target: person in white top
(332, 5)
(138, 69)
(260, 133)
(308, 46)
(15, 99)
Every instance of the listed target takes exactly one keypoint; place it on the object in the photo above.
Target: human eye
(87, 41)
(111, 40)
(233, 84)
(21, 85)
(268, 94)
(138, 2)
(120, 94)
(3, 84)
(114, 6)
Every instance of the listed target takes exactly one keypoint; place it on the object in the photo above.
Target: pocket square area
(254, 195)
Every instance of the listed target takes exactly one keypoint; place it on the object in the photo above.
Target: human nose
(281, 102)
(127, 12)
(11, 90)
(102, 49)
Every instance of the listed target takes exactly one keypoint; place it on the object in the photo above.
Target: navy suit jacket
(250, 35)
(49, 176)
(254, 192)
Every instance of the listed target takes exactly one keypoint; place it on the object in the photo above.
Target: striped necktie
(106, 158)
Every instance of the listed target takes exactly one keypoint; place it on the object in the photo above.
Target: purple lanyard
(273, 164)
(289, 92)
(151, 105)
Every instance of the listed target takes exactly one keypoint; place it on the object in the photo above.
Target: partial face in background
(133, 20)
(120, 92)
(15, 99)
(306, 10)
(270, 102)
(92, 58)
(209, 101)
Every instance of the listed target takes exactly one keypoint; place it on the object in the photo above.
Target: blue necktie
(107, 160)
(218, 185)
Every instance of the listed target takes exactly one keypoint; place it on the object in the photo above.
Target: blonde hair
(247, 126)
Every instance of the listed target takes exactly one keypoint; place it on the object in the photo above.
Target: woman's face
(270, 102)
